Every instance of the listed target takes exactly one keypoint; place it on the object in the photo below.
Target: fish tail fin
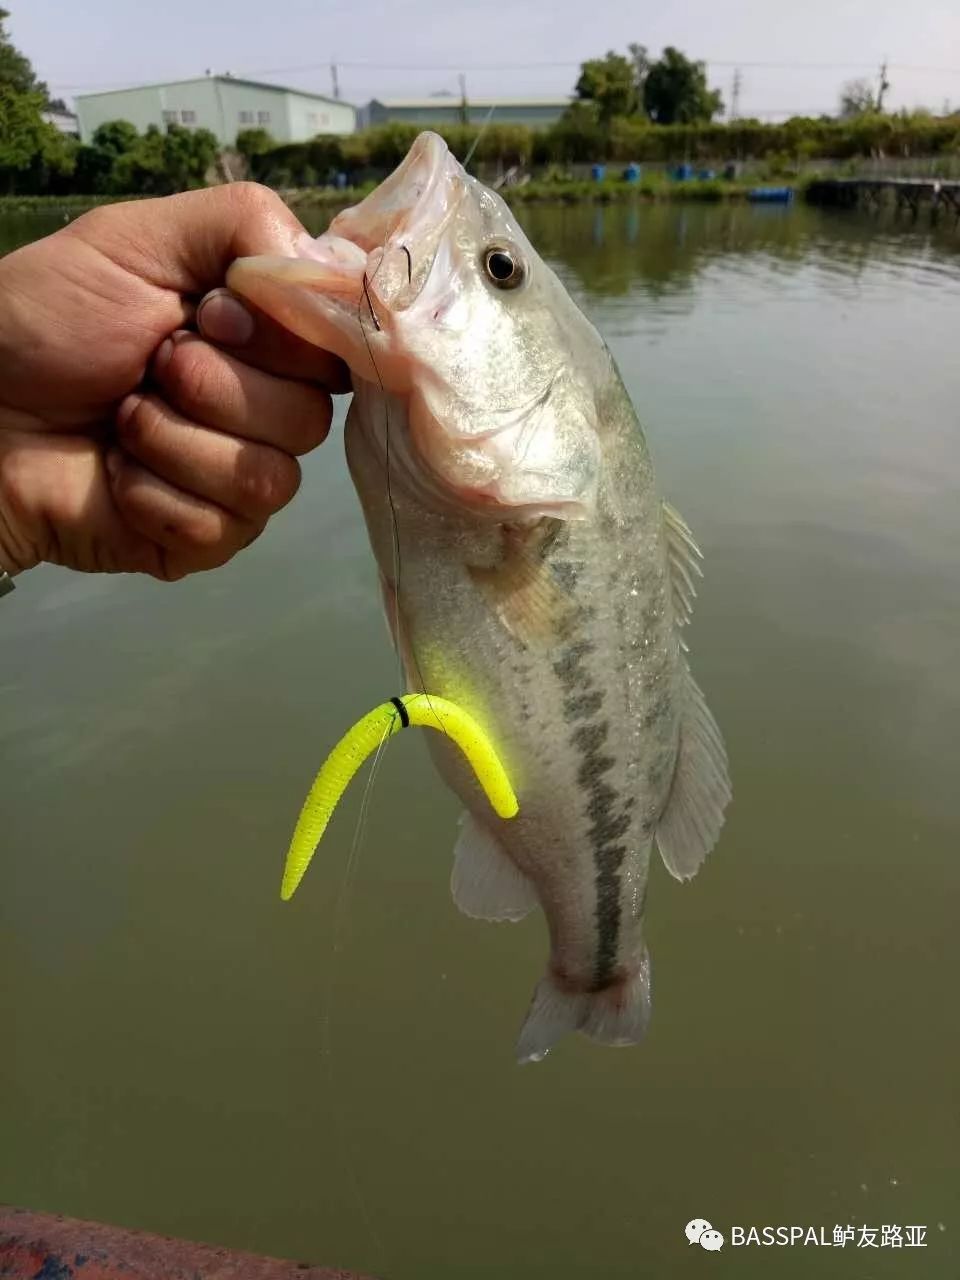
(617, 1015)
(620, 1014)
(553, 1013)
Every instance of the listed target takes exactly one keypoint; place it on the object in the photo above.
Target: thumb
(186, 242)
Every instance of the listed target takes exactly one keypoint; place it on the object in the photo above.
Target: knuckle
(94, 222)
(139, 427)
(252, 198)
(266, 479)
(201, 530)
(197, 377)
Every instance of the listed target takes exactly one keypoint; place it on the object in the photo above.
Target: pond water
(333, 1079)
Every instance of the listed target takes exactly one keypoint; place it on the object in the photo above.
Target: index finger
(186, 242)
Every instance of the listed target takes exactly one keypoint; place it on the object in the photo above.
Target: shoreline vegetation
(552, 164)
(554, 191)
(574, 191)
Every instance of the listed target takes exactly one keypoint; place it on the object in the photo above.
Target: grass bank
(609, 191)
(55, 204)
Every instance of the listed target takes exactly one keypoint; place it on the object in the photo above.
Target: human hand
(127, 442)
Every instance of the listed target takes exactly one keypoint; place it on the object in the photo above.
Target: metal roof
(250, 84)
(454, 100)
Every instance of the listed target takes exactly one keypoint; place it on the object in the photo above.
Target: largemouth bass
(530, 571)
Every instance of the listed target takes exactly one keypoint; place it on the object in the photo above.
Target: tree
(676, 92)
(254, 142)
(116, 137)
(641, 66)
(856, 99)
(21, 128)
(15, 69)
(577, 135)
(611, 83)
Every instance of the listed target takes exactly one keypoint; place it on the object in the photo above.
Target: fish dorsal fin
(684, 558)
(700, 792)
(485, 883)
(522, 588)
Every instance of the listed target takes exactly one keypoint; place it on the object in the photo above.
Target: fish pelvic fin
(486, 884)
(619, 1014)
(700, 792)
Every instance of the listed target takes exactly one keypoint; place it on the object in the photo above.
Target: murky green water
(333, 1079)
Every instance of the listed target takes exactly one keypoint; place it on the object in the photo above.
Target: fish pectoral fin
(683, 560)
(693, 815)
(618, 1015)
(485, 882)
(521, 587)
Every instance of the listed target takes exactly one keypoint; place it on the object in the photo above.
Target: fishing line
(326, 1026)
(394, 518)
(483, 129)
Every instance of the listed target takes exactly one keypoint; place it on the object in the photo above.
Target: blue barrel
(631, 173)
(683, 172)
(598, 172)
(706, 175)
(770, 195)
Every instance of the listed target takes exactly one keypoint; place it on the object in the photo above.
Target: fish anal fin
(683, 562)
(485, 882)
(691, 820)
(521, 587)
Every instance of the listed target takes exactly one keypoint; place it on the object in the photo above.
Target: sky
(793, 58)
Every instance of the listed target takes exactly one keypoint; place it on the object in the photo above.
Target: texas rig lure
(362, 740)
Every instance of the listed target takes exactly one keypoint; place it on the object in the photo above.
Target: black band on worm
(404, 717)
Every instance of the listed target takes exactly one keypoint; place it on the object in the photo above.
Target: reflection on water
(334, 1079)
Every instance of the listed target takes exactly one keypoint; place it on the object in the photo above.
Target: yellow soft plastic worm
(362, 740)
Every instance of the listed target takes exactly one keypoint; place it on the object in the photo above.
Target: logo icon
(699, 1231)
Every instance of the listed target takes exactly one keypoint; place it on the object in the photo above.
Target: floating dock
(935, 196)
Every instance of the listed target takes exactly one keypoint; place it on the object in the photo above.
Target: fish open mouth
(409, 204)
(372, 260)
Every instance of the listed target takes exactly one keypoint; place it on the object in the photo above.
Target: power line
(306, 68)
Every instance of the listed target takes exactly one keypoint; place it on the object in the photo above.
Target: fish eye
(503, 266)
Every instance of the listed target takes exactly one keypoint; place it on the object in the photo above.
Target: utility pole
(335, 79)
(883, 85)
(735, 94)
(464, 109)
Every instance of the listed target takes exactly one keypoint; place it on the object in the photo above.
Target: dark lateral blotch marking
(567, 668)
(591, 737)
(601, 800)
(580, 706)
(609, 860)
(611, 828)
(593, 768)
